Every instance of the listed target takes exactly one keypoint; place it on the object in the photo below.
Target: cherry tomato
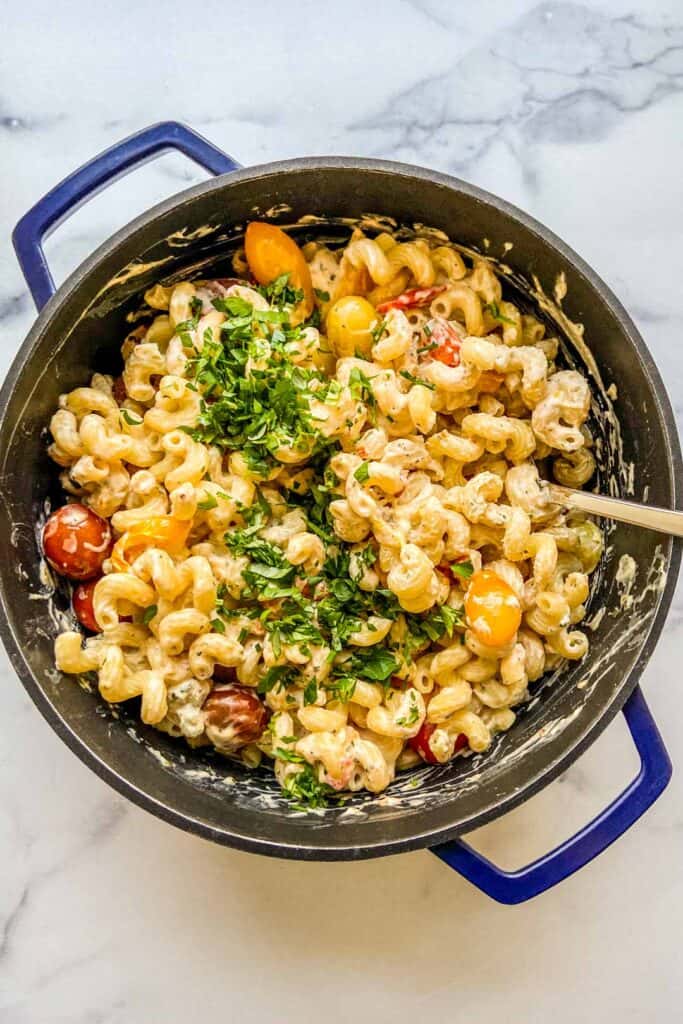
(493, 609)
(270, 252)
(234, 717)
(157, 532)
(76, 541)
(82, 604)
(399, 684)
(420, 743)
(228, 282)
(447, 340)
(118, 390)
(349, 325)
(411, 299)
(224, 674)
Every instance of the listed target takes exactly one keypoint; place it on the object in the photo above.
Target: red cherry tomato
(420, 743)
(230, 282)
(118, 390)
(82, 604)
(411, 299)
(76, 541)
(234, 717)
(447, 340)
(224, 674)
(399, 684)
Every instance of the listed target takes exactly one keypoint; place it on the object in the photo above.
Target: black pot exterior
(80, 331)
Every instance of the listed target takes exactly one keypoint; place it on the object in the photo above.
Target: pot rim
(425, 837)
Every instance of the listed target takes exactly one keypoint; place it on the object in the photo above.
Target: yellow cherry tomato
(270, 253)
(349, 325)
(493, 610)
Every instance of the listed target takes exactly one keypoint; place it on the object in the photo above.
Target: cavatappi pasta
(308, 518)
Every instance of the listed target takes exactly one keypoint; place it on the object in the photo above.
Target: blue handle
(65, 198)
(517, 886)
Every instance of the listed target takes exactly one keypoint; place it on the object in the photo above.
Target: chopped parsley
(148, 614)
(378, 331)
(305, 790)
(492, 308)
(278, 677)
(342, 687)
(208, 503)
(132, 421)
(376, 664)
(413, 713)
(462, 569)
(280, 293)
(417, 380)
(360, 387)
(255, 398)
(311, 692)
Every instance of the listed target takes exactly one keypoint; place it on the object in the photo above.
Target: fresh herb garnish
(360, 387)
(148, 614)
(492, 308)
(305, 790)
(278, 677)
(255, 398)
(378, 331)
(342, 687)
(417, 380)
(280, 293)
(462, 569)
(311, 692)
(413, 713)
(208, 503)
(362, 474)
(131, 420)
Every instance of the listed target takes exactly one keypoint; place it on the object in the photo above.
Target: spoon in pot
(663, 520)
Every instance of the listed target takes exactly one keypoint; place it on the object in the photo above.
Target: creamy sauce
(421, 785)
(625, 579)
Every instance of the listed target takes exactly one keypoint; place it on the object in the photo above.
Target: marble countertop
(572, 111)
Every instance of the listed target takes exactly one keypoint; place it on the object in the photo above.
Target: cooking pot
(79, 330)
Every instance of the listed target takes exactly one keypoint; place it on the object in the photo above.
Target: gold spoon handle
(663, 520)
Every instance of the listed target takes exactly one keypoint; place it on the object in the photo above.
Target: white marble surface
(573, 111)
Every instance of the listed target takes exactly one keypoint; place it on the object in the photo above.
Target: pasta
(308, 520)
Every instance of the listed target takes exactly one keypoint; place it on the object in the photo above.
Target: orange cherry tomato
(493, 609)
(156, 532)
(270, 252)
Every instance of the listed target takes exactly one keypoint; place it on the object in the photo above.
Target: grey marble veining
(574, 111)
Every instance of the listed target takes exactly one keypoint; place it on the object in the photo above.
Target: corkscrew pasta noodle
(301, 519)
